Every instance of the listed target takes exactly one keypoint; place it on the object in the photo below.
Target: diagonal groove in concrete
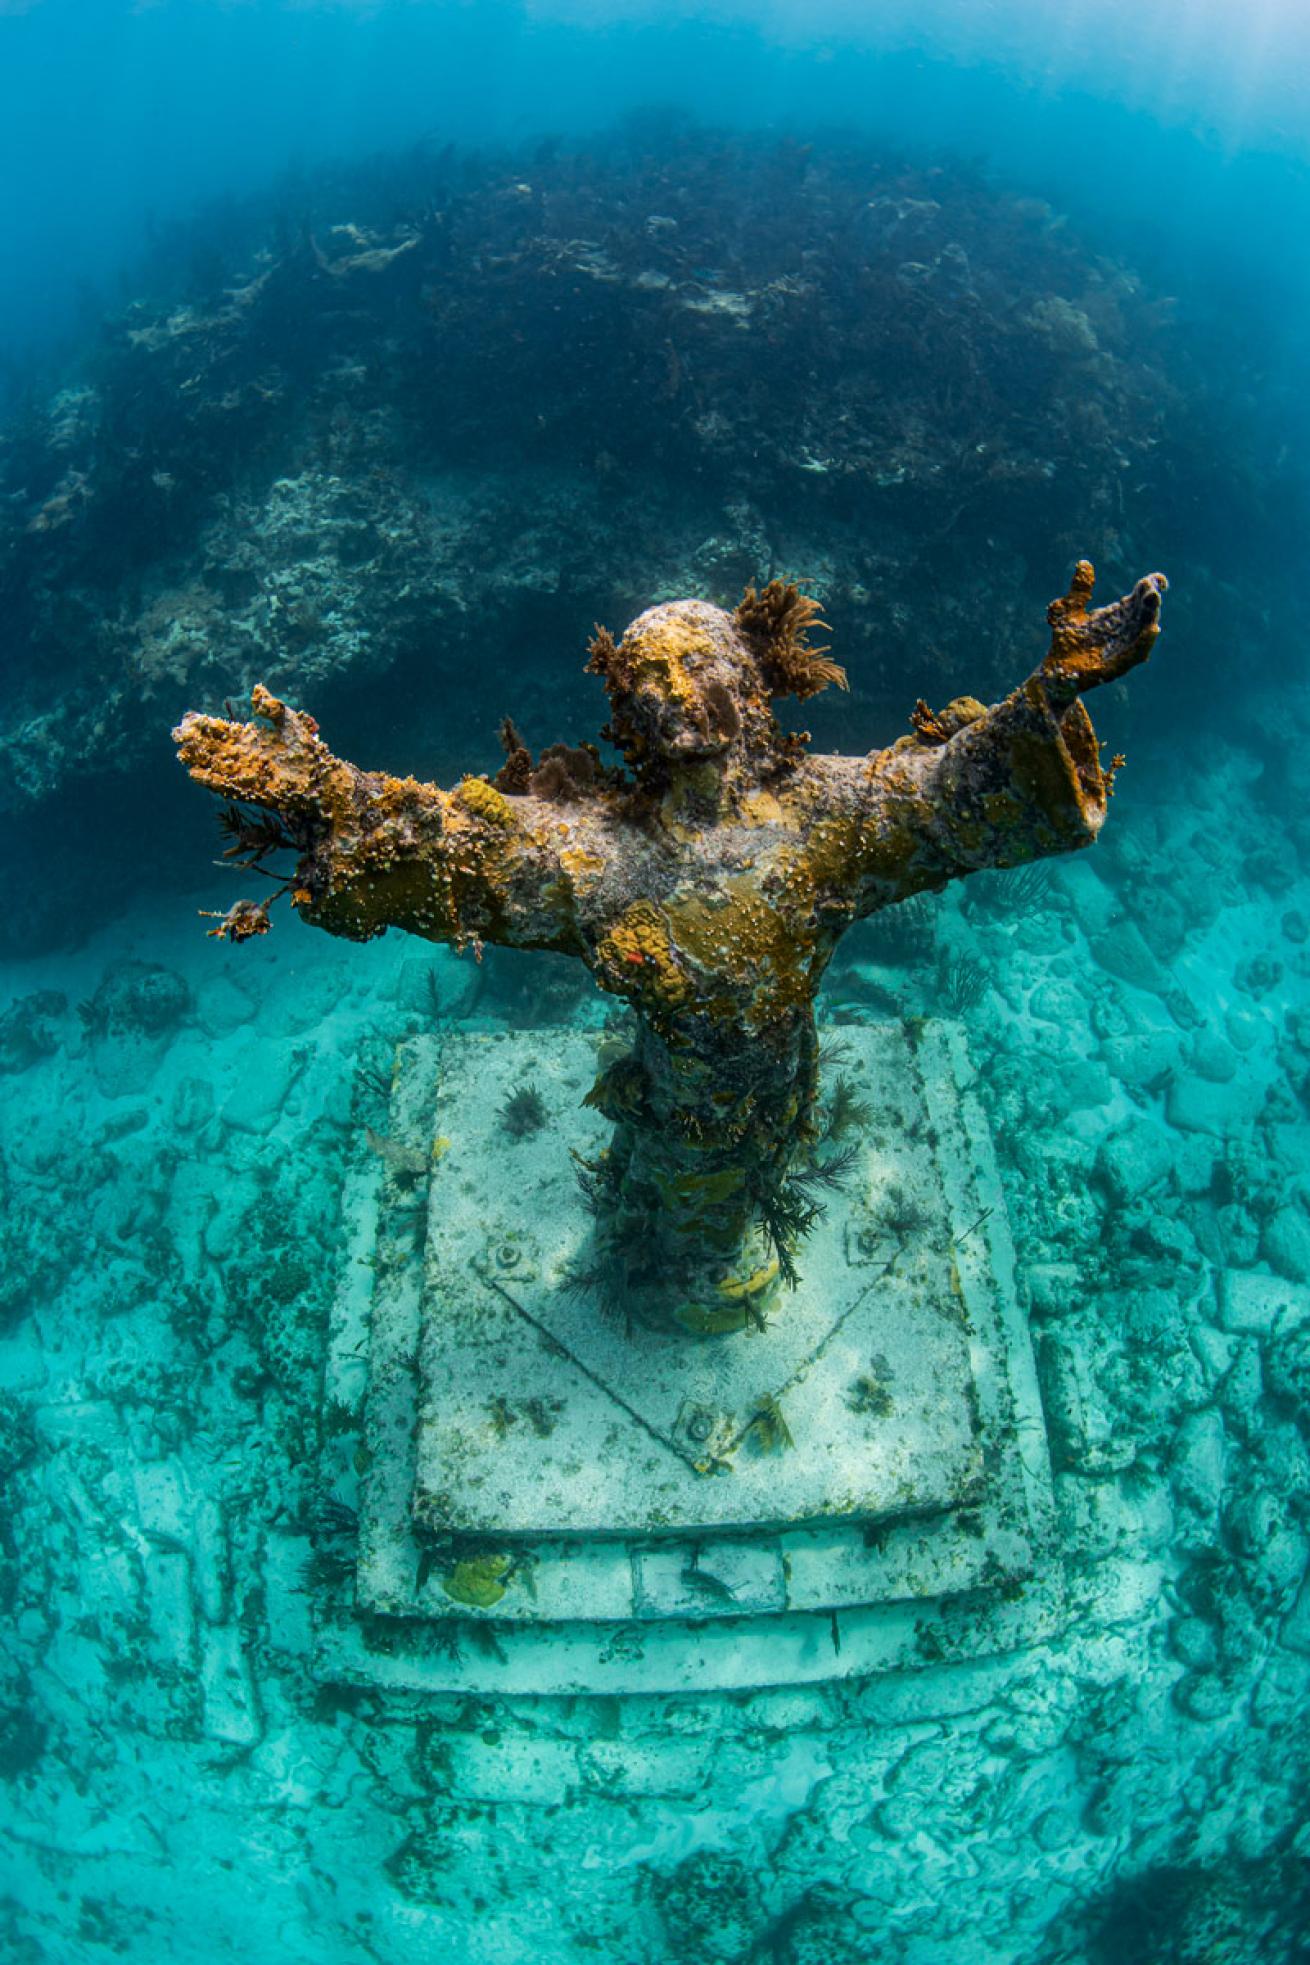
(558, 1344)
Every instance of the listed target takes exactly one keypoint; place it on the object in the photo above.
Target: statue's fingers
(1089, 649)
(234, 758)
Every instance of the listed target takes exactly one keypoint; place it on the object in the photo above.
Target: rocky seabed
(178, 1122)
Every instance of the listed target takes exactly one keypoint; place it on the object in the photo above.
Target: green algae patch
(478, 1581)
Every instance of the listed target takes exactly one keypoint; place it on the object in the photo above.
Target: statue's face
(684, 682)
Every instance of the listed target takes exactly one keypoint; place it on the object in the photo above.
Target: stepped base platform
(552, 1503)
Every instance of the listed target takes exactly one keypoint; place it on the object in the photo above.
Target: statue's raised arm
(973, 786)
(706, 882)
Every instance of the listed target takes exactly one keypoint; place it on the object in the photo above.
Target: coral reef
(132, 1017)
(28, 1028)
(453, 402)
(135, 999)
(708, 889)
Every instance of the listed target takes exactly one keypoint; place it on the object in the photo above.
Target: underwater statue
(706, 885)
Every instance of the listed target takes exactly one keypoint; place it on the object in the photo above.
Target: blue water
(375, 350)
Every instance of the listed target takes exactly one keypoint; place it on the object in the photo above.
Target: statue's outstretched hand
(1090, 646)
(278, 761)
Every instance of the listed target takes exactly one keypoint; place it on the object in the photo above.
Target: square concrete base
(537, 1469)
(540, 1416)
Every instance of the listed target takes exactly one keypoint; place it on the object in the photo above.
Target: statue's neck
(706, 793)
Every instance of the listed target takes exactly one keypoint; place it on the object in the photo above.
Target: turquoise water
(376, 352)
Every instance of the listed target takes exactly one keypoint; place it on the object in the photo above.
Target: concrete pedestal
(554, 1502)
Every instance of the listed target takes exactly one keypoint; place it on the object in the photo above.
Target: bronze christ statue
(705, 882)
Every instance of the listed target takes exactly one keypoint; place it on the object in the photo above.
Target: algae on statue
(706, 884)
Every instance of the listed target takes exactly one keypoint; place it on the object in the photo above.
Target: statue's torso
(727, 913)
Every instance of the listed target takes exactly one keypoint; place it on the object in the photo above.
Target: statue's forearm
(376, 852)
(976, 787)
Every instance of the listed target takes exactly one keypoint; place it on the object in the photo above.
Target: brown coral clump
(776, 623)
(515, 774)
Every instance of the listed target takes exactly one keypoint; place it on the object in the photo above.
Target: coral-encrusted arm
(978, 787)
(1090, 646)
(376, 852)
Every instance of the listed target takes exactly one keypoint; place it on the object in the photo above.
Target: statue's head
(681, 683)
(690, 683)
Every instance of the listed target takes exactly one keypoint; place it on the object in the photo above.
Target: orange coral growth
(1091, 646)
(928, 726)
(242, 921)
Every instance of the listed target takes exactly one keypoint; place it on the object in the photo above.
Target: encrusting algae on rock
(707, 885)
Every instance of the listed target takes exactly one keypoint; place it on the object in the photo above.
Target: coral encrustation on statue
(705, 882)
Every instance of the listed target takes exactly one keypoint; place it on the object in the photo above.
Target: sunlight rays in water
(1234, 72)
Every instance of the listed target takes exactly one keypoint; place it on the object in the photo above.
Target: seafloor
(179, 1121)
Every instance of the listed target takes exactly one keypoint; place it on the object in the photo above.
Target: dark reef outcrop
(416, 418)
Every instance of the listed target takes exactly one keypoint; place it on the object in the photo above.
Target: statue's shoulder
(827, 776)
